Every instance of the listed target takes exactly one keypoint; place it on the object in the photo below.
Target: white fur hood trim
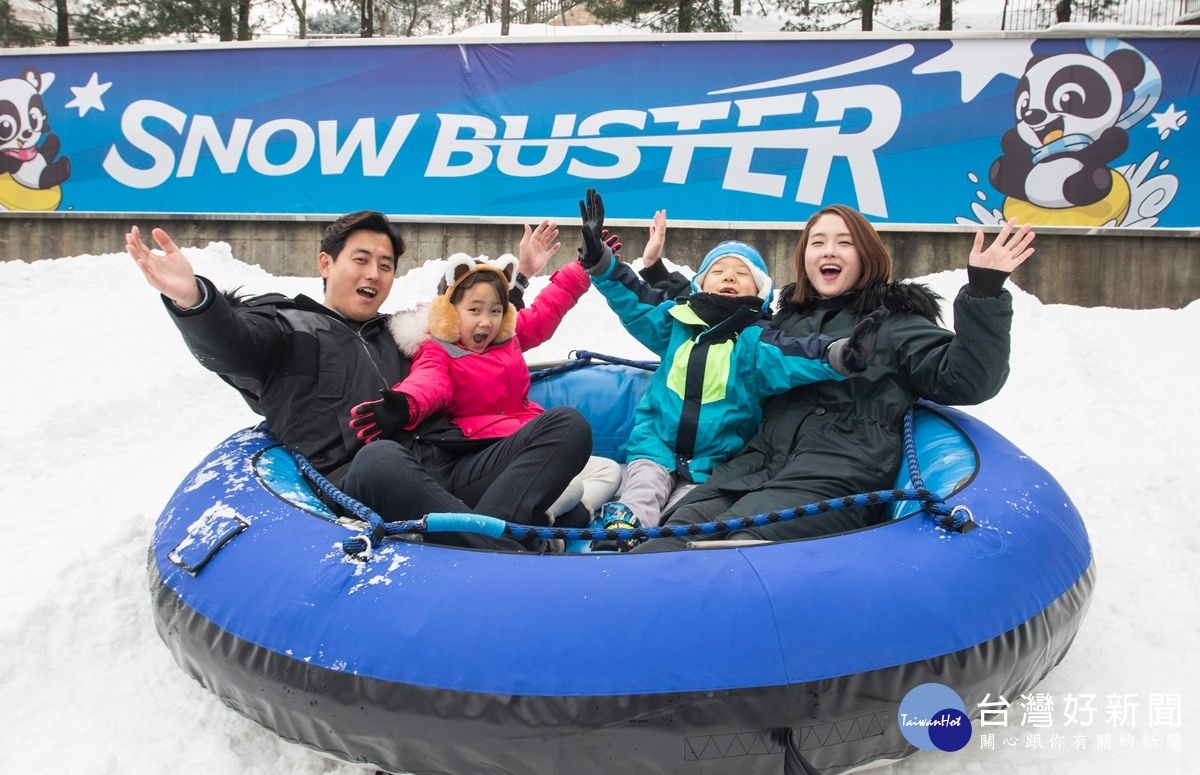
(410, 328)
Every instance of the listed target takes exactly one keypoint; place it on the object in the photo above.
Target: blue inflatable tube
(430, 659)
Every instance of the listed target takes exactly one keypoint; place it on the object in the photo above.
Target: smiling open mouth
(830, 271)
(368, 293)
(1051, 131)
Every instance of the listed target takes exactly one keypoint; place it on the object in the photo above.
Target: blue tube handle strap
(450, 522)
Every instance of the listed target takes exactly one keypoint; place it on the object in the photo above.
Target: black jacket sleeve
(966, 367)
(674, 284)
(239, 343)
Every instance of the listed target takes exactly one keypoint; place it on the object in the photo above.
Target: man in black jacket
(303, 365)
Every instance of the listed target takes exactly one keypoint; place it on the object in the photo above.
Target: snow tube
(16, 197)
(1109, 211)
(430, 659)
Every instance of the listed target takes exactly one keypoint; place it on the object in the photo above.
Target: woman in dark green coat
(834, 439)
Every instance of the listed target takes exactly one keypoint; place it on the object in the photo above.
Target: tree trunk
(505, 15)
(1062, 11)
(367, 18)
(685, 16)
(301, 8)
(63, 36)
(737, 7)
(225, 20)
(868, 14)
(946, 22)
(243, 30)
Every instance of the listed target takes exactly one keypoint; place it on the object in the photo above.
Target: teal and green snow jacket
(705, 400)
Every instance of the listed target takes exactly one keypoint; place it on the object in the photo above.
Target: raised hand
(656, 240)
(169, 273)
(1007, 251)
(538, 246)
(382, 417)
(613, 241)
(592, 213)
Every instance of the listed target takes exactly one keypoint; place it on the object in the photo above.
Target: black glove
(851, 356)
(382, 417)
(592, 212)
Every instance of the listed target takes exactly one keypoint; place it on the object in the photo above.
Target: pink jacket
(486, 394)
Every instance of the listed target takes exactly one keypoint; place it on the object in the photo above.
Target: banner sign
(1057, 131)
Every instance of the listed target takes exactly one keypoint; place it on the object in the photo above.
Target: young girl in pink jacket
(468, 363)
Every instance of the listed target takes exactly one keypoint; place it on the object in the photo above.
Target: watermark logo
(933, 718)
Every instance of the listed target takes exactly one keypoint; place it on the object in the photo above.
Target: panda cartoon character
(30, 169)
(1071, 121)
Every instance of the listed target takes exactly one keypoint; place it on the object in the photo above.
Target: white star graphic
(1167, 122)
(979, 61)
(88, 97)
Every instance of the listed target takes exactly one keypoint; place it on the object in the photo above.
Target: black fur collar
(238, 299)
(895, 297)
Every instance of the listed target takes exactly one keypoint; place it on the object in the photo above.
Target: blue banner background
(949, 101)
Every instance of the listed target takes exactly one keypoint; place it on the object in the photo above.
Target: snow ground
(104, 412)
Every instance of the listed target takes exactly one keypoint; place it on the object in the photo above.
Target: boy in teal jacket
(720, 359)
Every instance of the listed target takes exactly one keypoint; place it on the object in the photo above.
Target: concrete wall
(1131, 269)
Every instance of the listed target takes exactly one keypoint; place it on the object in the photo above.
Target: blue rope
(377, 530)
(438, 523)
(477, 523)
(362, 544)
(723, 525)
(585, 358)
(935, 507)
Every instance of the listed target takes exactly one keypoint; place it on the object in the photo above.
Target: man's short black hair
(339, 231)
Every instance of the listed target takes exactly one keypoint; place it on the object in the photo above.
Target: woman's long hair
(874, 257)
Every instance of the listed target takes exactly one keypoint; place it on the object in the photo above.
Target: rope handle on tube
(360, 546)
(518, 531)
(582, 358)
(959, 519)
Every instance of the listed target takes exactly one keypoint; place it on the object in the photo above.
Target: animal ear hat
(443, 317)
(747, 255)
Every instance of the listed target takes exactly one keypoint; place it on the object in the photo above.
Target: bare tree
(62, 36)
(366, 17)
(301, 9)
(225, 20)
(685, 16)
